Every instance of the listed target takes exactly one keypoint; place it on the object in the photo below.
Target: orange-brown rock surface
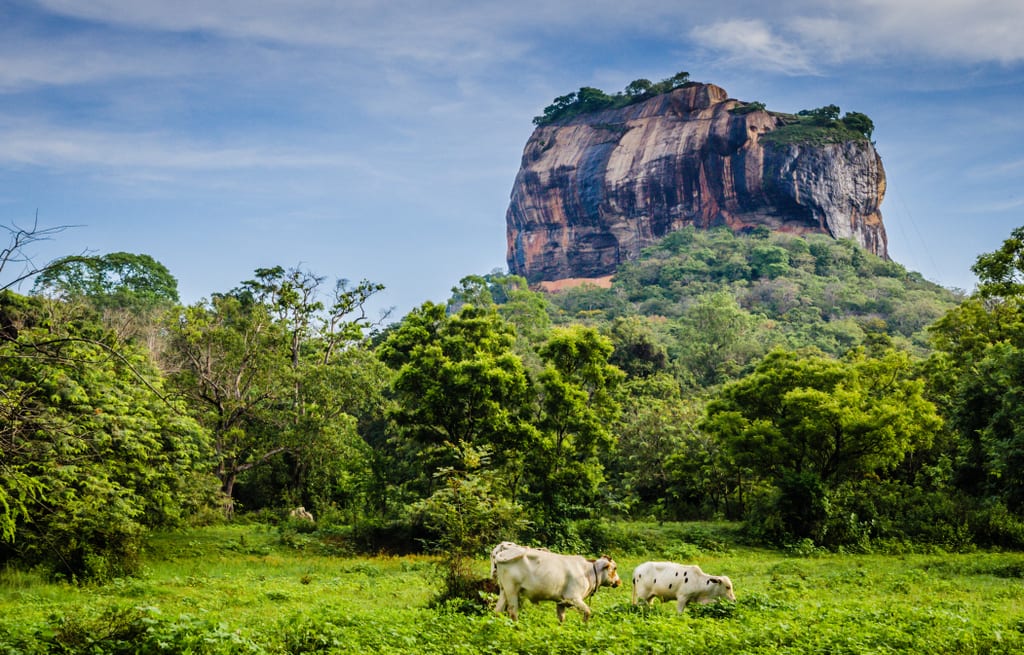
(594, 190)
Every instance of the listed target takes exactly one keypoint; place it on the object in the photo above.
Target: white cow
(505, 545)
(302, 514)
(670, 581)
(538, 575)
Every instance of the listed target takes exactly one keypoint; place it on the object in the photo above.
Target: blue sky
(380, 140)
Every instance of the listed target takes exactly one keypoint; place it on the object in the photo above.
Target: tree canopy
(589, 99)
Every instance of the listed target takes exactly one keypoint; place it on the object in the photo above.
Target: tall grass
(242, 589)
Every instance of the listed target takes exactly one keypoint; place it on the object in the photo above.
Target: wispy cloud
(411, 29)
(795, 37)
(945, 29)
(754, 43)
(36, 144)
(803, 38)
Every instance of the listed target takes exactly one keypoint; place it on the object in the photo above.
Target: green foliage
(260, 366)
(977, 374)
(589, 100)
(130, 292)
(807, 424)
(792, 291)
(821, 126)
(469, 516)
(458, 384)
(747, 108)
(715, 338)
(837, 419)
(1001, 273)
(577, 409)
(92, 452)
(638, 349)
(859, 122)
(117, 280)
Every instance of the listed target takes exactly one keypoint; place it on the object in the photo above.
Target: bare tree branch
(16, 256)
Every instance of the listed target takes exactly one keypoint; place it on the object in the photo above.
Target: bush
(885, 511)
(797, 510)
(993, 525)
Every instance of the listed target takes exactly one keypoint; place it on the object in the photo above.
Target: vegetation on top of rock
(809, 126)
(588, 99)
(821, 126)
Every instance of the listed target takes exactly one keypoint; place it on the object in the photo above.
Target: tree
(459, 384)
(92, 451)
(577, 410)
(637, 350)
(859, 122)
(978, 374)
(638, 87)
(468, 515)
(822, 115)
(807, 424)
(716, 338)
(837, 419)
(679, 79)
(663, 464)
(119, 280)
(1001, 273)
(129, 292)
(17, 264)
(253, 361)
(228, 358)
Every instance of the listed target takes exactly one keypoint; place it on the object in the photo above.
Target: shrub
(993, 525)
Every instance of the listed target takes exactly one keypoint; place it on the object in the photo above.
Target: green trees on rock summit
(588, 99)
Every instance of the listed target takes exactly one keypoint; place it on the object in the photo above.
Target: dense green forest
(799, 386)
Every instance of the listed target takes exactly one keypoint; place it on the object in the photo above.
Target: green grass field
(242, 589)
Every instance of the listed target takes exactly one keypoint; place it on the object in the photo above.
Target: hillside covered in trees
(801, 386)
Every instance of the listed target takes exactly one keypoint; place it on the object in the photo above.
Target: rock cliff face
(594, 190)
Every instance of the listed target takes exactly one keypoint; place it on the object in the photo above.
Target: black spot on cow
(670, 585)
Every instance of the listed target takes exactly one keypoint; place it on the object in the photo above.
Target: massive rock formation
(594, 190)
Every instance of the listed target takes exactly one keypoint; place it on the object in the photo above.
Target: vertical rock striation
(594, 190)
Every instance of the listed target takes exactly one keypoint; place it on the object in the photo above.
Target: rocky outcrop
(594, 190)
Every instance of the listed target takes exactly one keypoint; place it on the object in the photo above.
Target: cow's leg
(560, 610)
(581, 606)
(512, 602)
(681, 604)
(499, 607)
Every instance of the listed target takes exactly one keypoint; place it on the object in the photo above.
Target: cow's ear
(715, 580)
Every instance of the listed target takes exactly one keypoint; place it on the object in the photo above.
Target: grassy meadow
(245, 589)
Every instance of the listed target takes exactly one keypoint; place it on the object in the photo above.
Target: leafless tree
(17, 264)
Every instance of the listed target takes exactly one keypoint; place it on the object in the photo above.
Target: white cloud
(788, 35)
(55, 146)
(802, 37)
(427, 32)
(969, 30)
(753, 43)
